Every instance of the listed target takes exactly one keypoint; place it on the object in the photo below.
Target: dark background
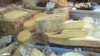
(12, 1)
(5, 2)
(96, 1)
(8, 1)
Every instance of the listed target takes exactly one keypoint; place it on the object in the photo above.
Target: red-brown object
(42, 3)
(8, 1)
